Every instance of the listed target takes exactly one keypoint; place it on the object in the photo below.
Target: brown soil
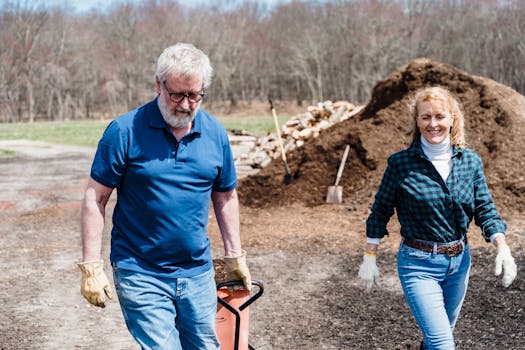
(306, 253)
(495, 128)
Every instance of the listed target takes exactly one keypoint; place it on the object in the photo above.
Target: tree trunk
(30, 102)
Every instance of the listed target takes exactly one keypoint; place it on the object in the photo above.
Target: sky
(84, 6)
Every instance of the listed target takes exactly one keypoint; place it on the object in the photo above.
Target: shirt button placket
(181, 286)
(180, 151)
(175, 151)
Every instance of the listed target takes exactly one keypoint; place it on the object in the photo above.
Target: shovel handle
(283, 154)
(342, 165)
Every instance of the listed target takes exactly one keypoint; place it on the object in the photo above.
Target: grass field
(87, 133)
(6, 153)
(81, 133)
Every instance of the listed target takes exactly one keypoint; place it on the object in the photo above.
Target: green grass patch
(6, 153)
(80, 133)
(87, 133)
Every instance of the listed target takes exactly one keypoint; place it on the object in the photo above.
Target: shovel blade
(334, 195)
(287, 179)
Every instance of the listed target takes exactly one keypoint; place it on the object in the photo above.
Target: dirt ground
(305, 252)
(307, 258)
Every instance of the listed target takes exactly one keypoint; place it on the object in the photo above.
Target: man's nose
(185, 103)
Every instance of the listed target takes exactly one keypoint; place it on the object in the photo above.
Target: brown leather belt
(449, 249)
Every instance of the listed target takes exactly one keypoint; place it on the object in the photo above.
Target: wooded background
(57, 65)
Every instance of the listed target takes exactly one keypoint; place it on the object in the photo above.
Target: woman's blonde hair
(437, 93)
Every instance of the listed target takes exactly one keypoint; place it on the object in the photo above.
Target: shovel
(335, 193)
(288, 175)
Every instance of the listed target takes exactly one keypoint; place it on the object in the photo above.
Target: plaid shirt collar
(416, 150)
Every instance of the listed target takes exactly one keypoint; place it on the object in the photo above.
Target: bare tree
(56, 64)
(22, 25)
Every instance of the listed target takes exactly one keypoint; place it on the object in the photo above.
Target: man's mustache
(182, 110)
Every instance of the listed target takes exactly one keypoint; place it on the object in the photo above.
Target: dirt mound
(494, 121)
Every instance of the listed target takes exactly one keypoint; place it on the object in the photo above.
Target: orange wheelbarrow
(232, 320)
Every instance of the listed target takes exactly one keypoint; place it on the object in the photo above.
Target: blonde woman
(436, 186)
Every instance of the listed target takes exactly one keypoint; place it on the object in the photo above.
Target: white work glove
(237, 269)
(95, 285)
(505, 262)
(369, 272)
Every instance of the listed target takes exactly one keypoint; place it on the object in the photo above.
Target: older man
(166, 159)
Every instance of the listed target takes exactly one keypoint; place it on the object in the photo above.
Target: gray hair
(186, 60)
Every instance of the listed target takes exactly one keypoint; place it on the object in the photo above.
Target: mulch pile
(494, 121)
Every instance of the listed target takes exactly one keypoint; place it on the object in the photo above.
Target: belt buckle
(451, 251)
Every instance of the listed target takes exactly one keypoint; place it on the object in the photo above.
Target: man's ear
(157, 82)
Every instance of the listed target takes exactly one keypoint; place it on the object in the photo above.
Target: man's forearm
(92, 225)
(226, 207)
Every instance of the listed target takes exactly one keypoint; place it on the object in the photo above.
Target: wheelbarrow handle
(239, 283)
(242, 307)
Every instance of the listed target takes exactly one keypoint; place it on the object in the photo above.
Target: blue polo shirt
(163, 190)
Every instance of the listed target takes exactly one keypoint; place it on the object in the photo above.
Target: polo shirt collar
(197, 123)
(157, 121)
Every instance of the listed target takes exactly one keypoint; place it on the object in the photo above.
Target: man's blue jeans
(169, 313)
(434, 286)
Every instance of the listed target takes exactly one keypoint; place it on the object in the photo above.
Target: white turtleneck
(440, 155)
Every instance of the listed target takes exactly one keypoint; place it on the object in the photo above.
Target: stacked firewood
(252, 153)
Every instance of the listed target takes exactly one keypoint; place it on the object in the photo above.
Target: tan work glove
(505, 262)
(95, 284)
(369, 272)
(237, 270)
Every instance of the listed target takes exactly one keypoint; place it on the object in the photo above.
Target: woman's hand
(368, 270)
(504, 262)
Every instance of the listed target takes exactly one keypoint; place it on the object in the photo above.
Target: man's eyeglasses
(178, 97)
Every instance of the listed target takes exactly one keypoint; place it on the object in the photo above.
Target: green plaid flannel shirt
(428, 208)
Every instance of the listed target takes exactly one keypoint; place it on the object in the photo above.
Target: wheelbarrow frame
(241, 308)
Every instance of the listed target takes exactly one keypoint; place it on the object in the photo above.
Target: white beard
(182, 120)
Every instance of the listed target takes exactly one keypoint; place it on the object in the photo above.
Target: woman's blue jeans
(169, 313)
(434, 286)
